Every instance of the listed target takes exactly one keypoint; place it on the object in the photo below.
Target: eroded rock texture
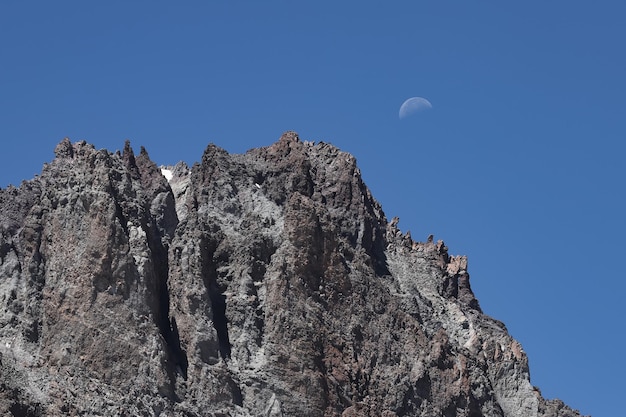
(263, 284)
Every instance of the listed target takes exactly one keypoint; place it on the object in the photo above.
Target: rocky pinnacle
(268, 283)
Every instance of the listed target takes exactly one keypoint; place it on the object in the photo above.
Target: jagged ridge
(268, 283)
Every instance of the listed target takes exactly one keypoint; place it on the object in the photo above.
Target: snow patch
(167, 173)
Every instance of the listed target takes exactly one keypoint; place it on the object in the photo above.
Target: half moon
(414, 105)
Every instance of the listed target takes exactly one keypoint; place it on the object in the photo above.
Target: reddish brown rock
(268, 283)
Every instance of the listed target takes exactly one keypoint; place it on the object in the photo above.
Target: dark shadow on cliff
(216, 294)
(218, 305)
(166, 324)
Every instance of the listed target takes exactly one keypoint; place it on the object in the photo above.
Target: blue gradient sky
(519, 164)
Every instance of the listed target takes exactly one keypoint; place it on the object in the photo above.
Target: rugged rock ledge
(262, 284)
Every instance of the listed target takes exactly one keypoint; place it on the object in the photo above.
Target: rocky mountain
(263, 284)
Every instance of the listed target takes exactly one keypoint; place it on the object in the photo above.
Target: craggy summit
(263, 284)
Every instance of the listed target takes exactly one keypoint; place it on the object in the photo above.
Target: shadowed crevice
(218, 305)
(216, 296)
(161, 308)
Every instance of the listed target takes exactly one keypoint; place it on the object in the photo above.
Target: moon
(414, 105)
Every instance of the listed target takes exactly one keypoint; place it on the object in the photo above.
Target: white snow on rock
(167, 173)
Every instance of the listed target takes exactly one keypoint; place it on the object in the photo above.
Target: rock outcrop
(263, 284)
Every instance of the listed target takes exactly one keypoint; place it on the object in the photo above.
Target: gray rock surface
(262, 284)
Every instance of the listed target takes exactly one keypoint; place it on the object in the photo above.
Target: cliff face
(268, 283)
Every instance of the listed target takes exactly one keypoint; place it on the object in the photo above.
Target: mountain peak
(264, 283)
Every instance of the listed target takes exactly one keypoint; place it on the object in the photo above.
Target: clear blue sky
(519, 164)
